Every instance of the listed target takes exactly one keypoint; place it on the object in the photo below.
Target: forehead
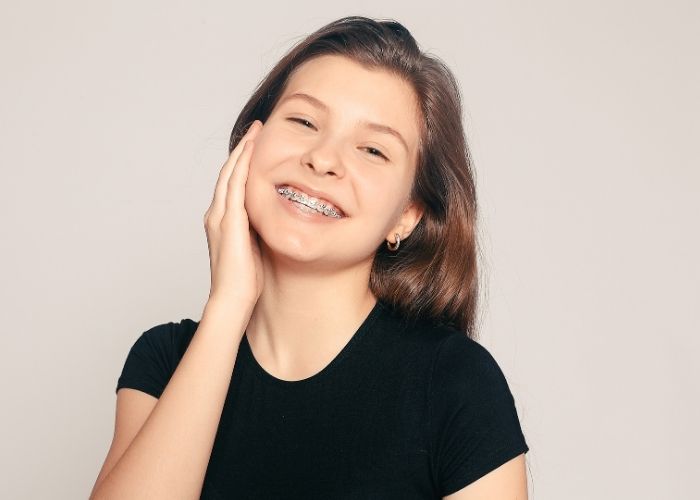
(358, 94)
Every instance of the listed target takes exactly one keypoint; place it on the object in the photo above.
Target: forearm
(168, 457)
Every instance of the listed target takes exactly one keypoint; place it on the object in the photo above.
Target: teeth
(323, 207)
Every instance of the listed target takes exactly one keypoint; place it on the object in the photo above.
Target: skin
(315, 292)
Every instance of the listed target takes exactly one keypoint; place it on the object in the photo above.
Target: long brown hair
(434, 274)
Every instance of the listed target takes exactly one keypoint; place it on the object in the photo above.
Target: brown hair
(433, 275)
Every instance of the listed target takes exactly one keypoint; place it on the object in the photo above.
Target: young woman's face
(323, 143)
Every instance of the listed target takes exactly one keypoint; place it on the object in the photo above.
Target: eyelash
(302, 121)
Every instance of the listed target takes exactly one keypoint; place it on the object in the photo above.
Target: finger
(225, 173)
(235, 194)
(218, 204)
(236, 152)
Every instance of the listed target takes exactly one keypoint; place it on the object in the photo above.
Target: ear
(410, 218)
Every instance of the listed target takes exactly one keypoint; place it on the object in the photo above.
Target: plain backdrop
(583, 121)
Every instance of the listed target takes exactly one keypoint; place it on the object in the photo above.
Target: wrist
(229, 309)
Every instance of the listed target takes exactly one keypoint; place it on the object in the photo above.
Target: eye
(302, 121)
(380, 153)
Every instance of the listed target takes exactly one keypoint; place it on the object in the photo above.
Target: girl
(336, 354)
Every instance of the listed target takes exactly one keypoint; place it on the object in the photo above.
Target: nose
(323, 159)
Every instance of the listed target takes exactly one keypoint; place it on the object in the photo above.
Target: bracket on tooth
(321, 207)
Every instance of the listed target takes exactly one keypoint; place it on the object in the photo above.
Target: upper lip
(313, 192)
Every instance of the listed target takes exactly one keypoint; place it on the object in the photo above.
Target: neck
(304, 318)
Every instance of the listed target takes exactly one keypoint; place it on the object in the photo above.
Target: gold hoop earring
(395, 246)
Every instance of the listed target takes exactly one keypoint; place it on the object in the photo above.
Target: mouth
(309, 204)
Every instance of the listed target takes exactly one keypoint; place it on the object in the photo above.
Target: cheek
(393, 206)
(255, 186)
(267, 156)
(380, 195)
(255, 189)
(257, 202)
(259, 167)
(257, 156)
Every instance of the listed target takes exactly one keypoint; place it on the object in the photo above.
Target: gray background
(583, 121)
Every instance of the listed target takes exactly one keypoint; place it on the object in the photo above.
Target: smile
(320, 206)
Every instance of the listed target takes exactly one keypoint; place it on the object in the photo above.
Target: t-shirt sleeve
(474, 423)
(151, 360)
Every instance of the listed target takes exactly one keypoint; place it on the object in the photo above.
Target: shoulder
(154, 356)
(454, 355)
(464, 368)
(170, 337)
(465, 374)
(448, 353)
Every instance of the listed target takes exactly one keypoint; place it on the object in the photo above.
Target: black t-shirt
(403, 411)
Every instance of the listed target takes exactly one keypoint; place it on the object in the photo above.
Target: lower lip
(304, 212)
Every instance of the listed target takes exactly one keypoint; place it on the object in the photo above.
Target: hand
(234, 253)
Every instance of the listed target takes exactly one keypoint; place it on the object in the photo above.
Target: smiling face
(346, 131)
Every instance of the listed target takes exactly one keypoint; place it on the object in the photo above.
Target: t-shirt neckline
(359, 334)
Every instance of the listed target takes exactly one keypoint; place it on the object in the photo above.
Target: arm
(507, 482)
(167, 457)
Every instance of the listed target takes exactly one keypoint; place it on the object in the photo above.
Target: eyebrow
(377, 127)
